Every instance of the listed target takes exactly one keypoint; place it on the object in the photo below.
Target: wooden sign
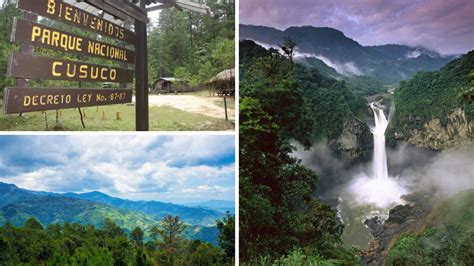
(31, 33)
(22, 100)
(58, 10)
(120, 9)
(38, 67)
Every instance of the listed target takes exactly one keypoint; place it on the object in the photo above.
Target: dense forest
(430, 95)
(280, 220)
(191, 46)
(76, 244)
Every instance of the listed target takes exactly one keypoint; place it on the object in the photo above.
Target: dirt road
(210, 106)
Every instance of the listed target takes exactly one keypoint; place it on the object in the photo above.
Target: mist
(345, 69)
(415, 169)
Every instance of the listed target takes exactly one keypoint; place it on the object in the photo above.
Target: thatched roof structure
(224, 76)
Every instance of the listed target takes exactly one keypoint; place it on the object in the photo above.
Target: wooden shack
(169, 85)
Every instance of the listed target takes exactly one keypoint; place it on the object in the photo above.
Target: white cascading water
(380, 170)
(378, 189)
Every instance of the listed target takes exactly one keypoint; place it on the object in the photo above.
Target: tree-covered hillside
(324, 103)
(430, 95)
(280, 221)
(447, 240)
(17, 205)
(155, 209)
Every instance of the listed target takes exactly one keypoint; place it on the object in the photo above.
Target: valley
(390, 154)
(17, 205)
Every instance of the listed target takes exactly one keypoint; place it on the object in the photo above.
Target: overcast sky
(181, 169)
(443, 25)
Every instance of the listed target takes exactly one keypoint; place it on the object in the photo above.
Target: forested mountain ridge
(17, 205)
(192, 215)
(430, 111)
(386, 63)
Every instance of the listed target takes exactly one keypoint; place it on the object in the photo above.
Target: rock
(375, 225)
(355, 143)
(457, 132)
(402, 219)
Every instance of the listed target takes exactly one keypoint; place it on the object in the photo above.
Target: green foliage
(137, 236)
(448, 240)
(201, 45)
(226, 229)
(277, 210)
(206, 254)
(75, 244)
(7, 13)
(430, 95)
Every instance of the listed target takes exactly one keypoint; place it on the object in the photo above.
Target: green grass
(161, 119)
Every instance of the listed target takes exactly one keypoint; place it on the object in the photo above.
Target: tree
(206, 254)
(111, 229)
(33, 224)
(226, 229)
(172, 227)
(137, 236)
(288, 48)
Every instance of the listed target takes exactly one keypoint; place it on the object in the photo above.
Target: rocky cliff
(458, 131)
(355, 143)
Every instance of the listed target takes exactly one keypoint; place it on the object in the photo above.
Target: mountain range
(17, 205)
(389, 63)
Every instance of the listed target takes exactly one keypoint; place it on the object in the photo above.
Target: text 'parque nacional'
(27, 32)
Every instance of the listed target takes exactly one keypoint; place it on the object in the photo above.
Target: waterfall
(380, 170)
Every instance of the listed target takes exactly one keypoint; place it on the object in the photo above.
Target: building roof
(225, 75)
(170, 79)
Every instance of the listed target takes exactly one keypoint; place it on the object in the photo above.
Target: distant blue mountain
(220, 205)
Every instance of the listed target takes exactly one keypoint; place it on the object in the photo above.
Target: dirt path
(210, 106)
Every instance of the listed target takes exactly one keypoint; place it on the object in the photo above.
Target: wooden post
(141, 74)
(27, 49)
(225, 107)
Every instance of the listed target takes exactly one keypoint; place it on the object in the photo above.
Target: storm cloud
(444, 26)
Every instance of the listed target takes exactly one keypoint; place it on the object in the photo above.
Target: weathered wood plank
(23, 100)
(58, 10)
(31, 33)
(38, 67)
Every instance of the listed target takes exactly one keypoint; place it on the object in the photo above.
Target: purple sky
(446, 26)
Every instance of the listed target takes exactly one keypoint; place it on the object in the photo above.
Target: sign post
(30, 33)
(141, 77)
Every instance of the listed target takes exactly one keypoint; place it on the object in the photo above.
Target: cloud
(346, 69)
(134, 167)
(445, 26)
